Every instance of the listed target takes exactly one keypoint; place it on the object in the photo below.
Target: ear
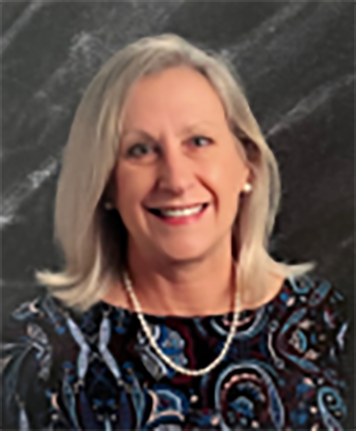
(247, 180)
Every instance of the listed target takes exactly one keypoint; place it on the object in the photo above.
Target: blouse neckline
(129, 312)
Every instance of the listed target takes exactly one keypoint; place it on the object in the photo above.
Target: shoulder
(40, 328)
(42, 311)
(314, 336)
(26, 358)
(321, 302)
(34, 339)
(314, 318)
(31, 334)
(315, 292)
(28, 327)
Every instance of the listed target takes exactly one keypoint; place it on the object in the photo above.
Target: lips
(176, 207)
(185, 217)
(159, 211)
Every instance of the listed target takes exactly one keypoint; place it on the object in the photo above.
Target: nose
(175, 170)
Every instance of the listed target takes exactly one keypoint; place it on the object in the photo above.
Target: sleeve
(25, 359)
(331, 338)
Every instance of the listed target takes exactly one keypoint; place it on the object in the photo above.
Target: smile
(179, 215)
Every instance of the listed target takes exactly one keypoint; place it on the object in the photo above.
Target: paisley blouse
(65, 370)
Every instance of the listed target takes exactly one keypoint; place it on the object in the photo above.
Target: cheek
(242, 174)
(132, 187)
(230, 176)
(127, 190)
(239, 169)
(233, 178)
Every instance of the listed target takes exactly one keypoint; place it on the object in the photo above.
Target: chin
(184, 251)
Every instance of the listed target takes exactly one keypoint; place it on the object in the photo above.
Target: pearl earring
(247, 188)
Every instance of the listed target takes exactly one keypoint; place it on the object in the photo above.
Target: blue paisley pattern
(65, 370)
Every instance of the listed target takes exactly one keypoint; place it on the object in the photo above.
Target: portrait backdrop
(295, 59)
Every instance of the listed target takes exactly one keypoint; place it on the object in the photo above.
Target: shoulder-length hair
(94, 240)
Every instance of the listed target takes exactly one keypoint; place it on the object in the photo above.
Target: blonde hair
(94, 240)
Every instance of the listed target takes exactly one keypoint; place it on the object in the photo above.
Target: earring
(247, 188)
(108, 206)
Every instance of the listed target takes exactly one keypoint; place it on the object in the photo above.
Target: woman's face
(177, 153)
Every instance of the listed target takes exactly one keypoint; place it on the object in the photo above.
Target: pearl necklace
(163, 356)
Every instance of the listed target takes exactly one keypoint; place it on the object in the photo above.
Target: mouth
(179, 212)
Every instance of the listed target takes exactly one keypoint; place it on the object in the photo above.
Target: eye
(201, 141)
(138, 151)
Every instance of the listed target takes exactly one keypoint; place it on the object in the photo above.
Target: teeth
(182, 213)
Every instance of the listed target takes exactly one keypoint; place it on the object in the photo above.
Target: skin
(186, 155)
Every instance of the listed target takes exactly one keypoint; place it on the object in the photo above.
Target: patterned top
(96, 371)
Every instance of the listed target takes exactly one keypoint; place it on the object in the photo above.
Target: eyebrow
(185, 130)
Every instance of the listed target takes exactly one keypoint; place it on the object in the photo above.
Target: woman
(170, 313)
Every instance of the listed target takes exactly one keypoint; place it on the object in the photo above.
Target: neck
(163, 286)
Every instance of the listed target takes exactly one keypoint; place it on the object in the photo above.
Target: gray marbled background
(296, 59)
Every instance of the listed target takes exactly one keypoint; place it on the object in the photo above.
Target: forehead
(180, 94)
